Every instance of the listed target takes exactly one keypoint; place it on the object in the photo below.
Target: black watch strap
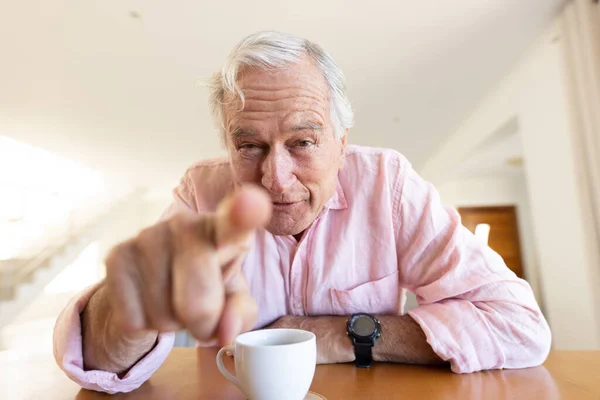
(362, 351)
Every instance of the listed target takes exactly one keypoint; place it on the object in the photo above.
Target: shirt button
(297, 305)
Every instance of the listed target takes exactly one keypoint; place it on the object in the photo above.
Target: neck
(298, 236)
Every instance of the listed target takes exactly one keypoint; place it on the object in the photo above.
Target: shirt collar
(338, 200)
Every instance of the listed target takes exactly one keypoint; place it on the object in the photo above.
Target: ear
(223, 138)
(344, 143)
(344, 140)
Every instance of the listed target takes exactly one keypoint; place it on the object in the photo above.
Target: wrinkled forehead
(302, 81)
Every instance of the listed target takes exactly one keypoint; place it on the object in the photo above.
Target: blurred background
(496, 102)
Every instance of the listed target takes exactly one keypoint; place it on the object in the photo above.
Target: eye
(249, 149)
(304, 143)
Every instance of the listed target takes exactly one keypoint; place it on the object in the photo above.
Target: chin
(285, 228)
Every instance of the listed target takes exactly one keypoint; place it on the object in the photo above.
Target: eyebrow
(239, 132)
(308, 126)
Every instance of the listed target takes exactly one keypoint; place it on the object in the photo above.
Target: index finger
(240, 214)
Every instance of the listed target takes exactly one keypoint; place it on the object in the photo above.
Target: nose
(278, 171)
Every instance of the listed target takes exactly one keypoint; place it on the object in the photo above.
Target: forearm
(333, 345)
(401, 341)
(104, 347)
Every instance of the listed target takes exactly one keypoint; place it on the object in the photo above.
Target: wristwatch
(363, 329)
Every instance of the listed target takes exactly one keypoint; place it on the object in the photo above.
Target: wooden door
(504, 232)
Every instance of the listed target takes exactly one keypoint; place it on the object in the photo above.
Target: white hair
(273, 50)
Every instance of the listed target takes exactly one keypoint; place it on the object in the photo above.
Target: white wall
(499, 191)
(535, 93)
(544, 117)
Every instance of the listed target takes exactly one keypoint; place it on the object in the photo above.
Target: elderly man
(295, 228)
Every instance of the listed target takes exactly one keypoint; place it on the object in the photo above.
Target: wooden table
(192, 374)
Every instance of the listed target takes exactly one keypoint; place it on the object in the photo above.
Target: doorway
(503, 232)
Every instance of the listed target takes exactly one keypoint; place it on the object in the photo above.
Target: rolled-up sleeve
(69, 355)
(476, 313)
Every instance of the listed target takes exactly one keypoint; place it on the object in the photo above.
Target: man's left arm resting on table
(473, 311)
(402, 339)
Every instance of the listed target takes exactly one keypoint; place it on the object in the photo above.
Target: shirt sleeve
(68, 352)
(476, 313)
(68, 342)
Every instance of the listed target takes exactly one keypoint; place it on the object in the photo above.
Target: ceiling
(499, 155)
(115, 84)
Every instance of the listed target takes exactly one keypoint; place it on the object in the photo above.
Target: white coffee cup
(272, 364)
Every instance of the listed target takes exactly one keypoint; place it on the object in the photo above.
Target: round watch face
(363, 326)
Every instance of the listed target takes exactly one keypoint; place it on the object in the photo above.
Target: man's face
(283, 139)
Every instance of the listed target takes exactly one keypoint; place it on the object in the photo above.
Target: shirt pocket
(375, 297)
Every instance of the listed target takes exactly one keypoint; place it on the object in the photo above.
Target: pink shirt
(383, 232)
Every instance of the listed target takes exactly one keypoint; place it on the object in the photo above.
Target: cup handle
(222, 368)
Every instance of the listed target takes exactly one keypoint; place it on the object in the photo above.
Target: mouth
(277, 206)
